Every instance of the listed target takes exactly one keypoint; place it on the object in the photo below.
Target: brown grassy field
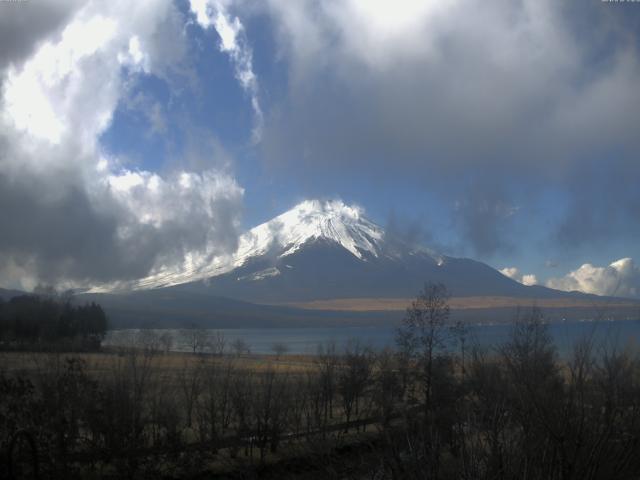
(103, 362)
(458, 303)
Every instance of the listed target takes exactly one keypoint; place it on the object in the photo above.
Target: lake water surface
(619, 334)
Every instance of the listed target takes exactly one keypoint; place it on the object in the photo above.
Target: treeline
(435, 407)
(45, 321)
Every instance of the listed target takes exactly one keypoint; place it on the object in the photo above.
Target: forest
(50, 321)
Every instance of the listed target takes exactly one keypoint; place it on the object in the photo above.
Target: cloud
(24, 25)
(70, 214)
(483, 216)
(520, 93)
(400, 233)
(602, 208)
(233, 42)
(454, 82)
(514, 274)
(621, 278)
(511, 272)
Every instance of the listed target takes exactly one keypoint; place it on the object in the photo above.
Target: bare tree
(196, 339)
(190, 381)
(218, 343)
(240, 347)
(327, 364)
(279, 348)
(214, 407)
(241, 395)
(460, 333)
(269, 405)
(166, 340)
(387, 389)
(148, 340)
(422, 340)
(353, 378)
(422, 335)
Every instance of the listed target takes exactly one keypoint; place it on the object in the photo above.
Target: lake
(620, 334)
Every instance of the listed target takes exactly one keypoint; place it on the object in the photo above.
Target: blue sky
(503, 132)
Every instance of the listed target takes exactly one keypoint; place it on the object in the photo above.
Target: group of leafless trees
(435, 407)
(514, 411)
(144, 412)
(197, 340)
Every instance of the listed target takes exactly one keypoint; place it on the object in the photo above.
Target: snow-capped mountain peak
(311, 220)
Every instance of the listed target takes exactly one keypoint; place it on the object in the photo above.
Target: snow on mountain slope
(283, 235)
(313, 219)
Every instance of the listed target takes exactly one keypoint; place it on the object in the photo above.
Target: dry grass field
(459, 303)
(103, 362)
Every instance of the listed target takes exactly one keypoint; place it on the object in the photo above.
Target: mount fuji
(317, 258)
(321, 250)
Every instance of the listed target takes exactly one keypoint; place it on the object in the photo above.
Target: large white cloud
(70, 213)
(621, 278)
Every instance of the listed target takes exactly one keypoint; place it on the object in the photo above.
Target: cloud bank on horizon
(518, 118)
(621, 278)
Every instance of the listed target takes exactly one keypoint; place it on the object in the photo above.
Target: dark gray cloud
(484, 216)
(59, 236)
(603, 207)
(500, 84)
(58, 227)
(400, 232)
(23, 25)
(525, 93)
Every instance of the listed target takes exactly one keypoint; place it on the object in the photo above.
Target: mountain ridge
(281, 236)
(327, 251)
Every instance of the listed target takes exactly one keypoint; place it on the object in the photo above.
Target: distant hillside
(173, 308)
(593, 302)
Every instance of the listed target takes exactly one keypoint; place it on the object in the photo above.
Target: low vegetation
(435, 407)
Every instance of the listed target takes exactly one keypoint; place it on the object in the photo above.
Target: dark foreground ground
(419, 411)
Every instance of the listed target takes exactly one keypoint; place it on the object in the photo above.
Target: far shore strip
(457, 303)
